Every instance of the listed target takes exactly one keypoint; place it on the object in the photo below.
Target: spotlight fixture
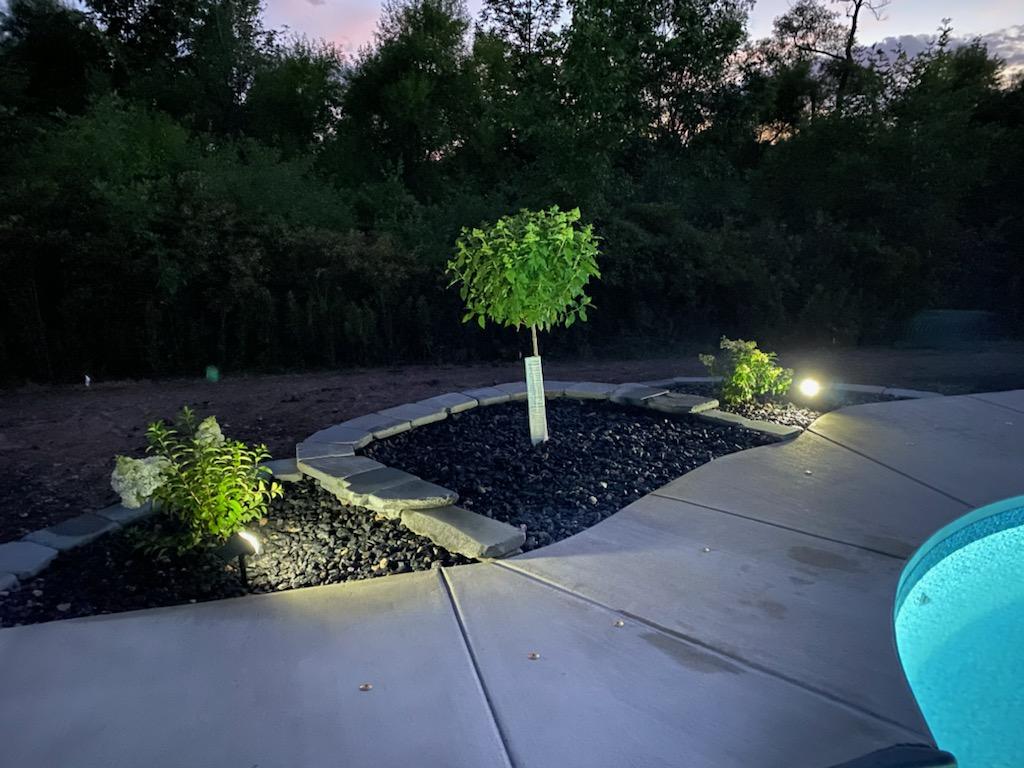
(809, 387)
(241, 545)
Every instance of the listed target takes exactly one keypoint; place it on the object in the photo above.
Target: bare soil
(57, 443)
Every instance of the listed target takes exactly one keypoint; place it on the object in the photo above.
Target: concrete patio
(739, 616)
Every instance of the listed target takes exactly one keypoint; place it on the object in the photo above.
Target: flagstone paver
(72, 533)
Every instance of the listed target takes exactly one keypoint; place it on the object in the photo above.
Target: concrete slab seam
(813, 431)
(777, 525)
(457, 614)
(997, 405)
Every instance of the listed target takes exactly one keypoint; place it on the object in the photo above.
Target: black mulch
(600, 458)
(309, 538)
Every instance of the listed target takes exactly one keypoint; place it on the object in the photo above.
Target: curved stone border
(329, 456)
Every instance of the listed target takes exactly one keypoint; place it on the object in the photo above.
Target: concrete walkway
(739, 616)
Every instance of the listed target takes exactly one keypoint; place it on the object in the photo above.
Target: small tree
(527, 270)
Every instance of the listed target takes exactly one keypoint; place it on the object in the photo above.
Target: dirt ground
(57, 443)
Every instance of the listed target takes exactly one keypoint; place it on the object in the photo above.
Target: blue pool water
(960, 633)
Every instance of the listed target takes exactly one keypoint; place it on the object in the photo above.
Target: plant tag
(535, 400)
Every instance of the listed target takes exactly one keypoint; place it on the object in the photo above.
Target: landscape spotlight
(241, 545)
(252, 540)
(809, 387)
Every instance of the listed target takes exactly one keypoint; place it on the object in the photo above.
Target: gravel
(600, 458)
(784, 411)
(309, 539)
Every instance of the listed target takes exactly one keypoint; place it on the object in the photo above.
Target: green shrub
(747, 372)
(207, 486)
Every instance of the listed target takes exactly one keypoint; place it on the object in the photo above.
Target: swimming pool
(959, 622)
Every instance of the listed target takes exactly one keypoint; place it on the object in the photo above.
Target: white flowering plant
(207, 485)
(135, 480)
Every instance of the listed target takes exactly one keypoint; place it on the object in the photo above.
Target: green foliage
(529, 269)
(181, 187)
(210, 486)
(747, 372)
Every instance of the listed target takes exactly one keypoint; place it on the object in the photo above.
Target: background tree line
(180, 186)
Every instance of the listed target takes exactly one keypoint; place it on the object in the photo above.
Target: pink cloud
(349, 23)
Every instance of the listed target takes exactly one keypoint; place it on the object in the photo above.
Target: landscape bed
(601, 457)
(309, 538)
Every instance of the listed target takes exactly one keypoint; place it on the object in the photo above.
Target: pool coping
(974, 525)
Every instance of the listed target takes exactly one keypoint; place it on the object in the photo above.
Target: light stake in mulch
(241, 545)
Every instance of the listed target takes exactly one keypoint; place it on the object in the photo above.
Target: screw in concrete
(533, 655)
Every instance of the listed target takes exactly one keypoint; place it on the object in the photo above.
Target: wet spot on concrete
(821, 558)
(772, 608)
(690, 656)
(890, 545)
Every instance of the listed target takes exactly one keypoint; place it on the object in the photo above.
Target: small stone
(63, 607)
(808, 472)
(533, 655)
(619, 623)
(37, 593)
(706, 549)
(383, 563)
(364, 687)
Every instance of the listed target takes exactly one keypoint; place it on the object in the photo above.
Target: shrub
(207, 485)
(747, 372)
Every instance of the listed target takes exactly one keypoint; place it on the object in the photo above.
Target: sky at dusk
(350, 23)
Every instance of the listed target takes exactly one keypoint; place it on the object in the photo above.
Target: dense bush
(747, 372)
(206, 486)
(178, 190)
